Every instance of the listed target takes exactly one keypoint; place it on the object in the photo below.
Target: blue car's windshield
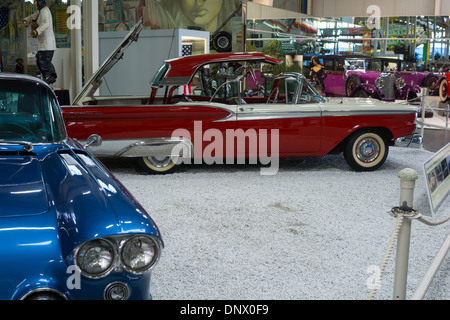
(28, 112)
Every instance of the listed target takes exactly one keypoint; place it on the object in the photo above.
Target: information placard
(438, 178)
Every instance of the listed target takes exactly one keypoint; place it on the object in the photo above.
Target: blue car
(68, 228)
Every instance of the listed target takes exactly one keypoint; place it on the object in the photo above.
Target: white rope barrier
(404, 215)
(387, 255)
(424, 123)
(427, 106)
(429, 275)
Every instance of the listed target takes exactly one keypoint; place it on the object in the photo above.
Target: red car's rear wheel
(366, 150)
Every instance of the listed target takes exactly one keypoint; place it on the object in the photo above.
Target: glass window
(29, 112)
(309, 94)
(340, 64)
(291, 90)
(375, 65)
(159, 75)
(328, 64)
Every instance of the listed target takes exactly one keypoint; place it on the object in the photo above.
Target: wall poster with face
(206, 15)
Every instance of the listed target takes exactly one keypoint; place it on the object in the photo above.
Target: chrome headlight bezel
(379, 82)
(131, 244)
(83, 249)
(400, 83)
(118, 263)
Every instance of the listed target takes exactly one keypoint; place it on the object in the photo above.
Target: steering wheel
(22, 129)
(305, 97)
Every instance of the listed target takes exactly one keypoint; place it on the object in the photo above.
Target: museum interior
(229, 232)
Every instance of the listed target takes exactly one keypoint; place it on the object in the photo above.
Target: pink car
(360, 76)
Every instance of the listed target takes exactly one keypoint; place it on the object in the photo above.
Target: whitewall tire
(366, 150)
(158, 165)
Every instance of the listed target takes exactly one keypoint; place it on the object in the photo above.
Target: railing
(405, 214)
(427, 106)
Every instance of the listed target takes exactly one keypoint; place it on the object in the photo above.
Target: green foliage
(275, 50)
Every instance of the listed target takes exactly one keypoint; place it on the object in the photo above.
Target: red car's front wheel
(158, 165)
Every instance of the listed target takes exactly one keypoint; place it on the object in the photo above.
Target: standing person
(317, 74)
(42, 28)
(19, 66)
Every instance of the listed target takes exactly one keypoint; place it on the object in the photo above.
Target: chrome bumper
(412, 141)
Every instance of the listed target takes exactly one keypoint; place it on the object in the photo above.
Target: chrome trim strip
(165, 146)
(231, 117)
(278, 115)
(413, 141)
(157, 147)
(350, 113)
(175, 81)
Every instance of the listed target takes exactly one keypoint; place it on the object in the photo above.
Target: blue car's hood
(73, 192)
(22, 190)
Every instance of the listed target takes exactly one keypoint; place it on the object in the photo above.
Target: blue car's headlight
(135, 254)
(96, 258)
(139, 253)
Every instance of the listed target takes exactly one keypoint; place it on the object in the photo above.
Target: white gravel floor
(316, 230)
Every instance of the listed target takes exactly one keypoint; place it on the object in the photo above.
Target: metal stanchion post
(408, 179)
(448, 111)
(424, 104)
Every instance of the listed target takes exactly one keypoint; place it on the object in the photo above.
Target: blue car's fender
(95, 204)
(83, 201)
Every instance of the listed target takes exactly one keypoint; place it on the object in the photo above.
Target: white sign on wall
(437, 174)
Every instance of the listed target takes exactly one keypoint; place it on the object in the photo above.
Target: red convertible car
(219, 120)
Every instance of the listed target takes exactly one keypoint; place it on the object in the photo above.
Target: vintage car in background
(442, 84)
(151, 128)
(408, 71)
(68, 228)
(360, 76)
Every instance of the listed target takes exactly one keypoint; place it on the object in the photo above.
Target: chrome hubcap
(367, 150)
(223, 42)
(160, 161)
